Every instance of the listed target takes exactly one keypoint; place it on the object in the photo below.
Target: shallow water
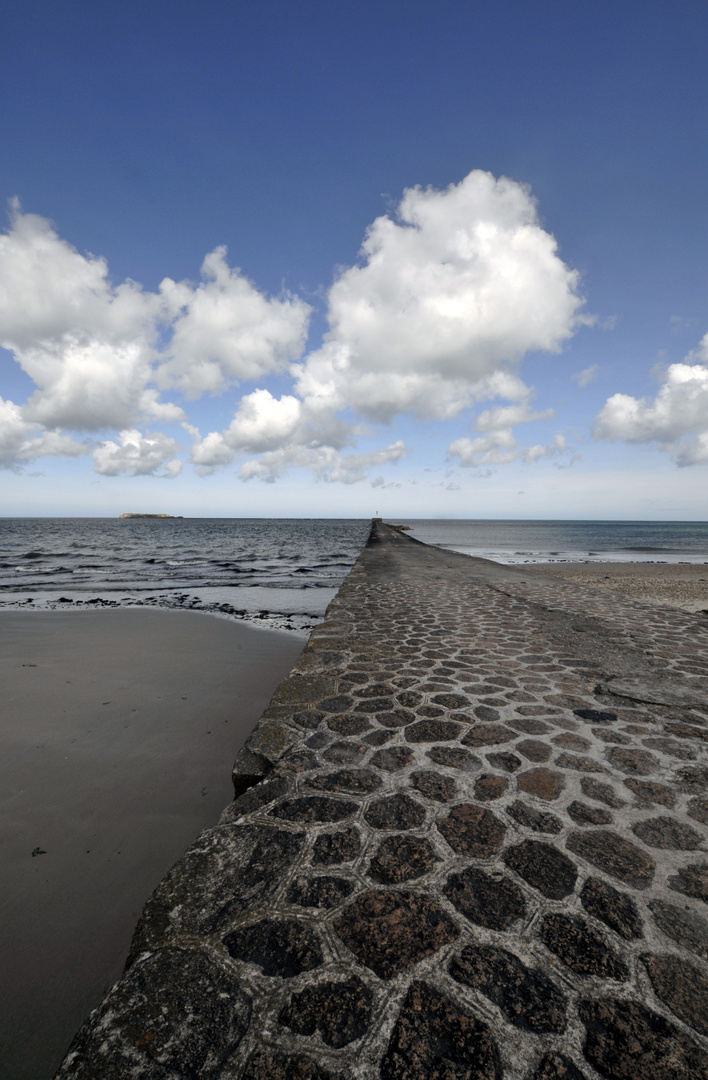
(522, 542)
(275, 572)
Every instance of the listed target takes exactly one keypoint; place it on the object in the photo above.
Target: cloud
(569, 463)
(452, 291)
(266, 424)
(556, 446)
(586, 376)
(99, 355)
(280, 431)
(681, 322)
(325, 462)
(19, 444)
(508, 416)
(500, 447)
(13, 432)
(448, 296)
(676, 420)
(497, 444)
(138, 455)
(379, 482)
(86, 345)
(229, 331)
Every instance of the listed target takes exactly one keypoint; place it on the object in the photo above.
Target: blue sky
(436, 259)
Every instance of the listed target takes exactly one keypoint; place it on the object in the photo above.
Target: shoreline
(219, 603)
(682, 586)
(120, 728)
(464, 750)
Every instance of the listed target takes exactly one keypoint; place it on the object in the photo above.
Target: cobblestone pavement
(480, 851)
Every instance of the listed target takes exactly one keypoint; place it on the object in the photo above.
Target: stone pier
(469, 841)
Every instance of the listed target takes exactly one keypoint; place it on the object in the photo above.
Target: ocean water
(519, 542)
(277, 572)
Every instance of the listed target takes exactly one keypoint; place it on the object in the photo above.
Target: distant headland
(175, 517)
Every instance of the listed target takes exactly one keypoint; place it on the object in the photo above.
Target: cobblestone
(340, 1011)
(556, 1067)
(691, 880)
(434, 786)
(544, 867)
(473, 831)
(627, 1041)
(392, 931)
(494, 902)
(477, 849)
(683, 925)
(667, 832)
(616, 909)
(528, 998)
(402, 858)
(281, 948)
(435, 1039)
(583, 950)
(616, 856)
(544, 783)
(330, 849)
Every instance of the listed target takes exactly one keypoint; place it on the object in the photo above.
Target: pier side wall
(469, 839)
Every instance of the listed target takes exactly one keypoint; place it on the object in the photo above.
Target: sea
(279, 573)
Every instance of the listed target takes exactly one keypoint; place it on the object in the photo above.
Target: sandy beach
(676, 585)
(118, 735)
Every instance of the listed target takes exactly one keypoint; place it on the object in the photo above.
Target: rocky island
(173, 517)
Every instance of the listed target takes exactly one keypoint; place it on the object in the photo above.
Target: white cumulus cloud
(264, 424)
(325, 462)
(676, 420)
(454, 289)
(449, 293)
(497, 444)
(138, 455)
(229, 331)
(19, 442)
(500, 447)
(85, 345)
(100, 354)
(497, 448)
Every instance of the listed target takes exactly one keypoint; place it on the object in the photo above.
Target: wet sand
(676, 585)
(118, 734)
